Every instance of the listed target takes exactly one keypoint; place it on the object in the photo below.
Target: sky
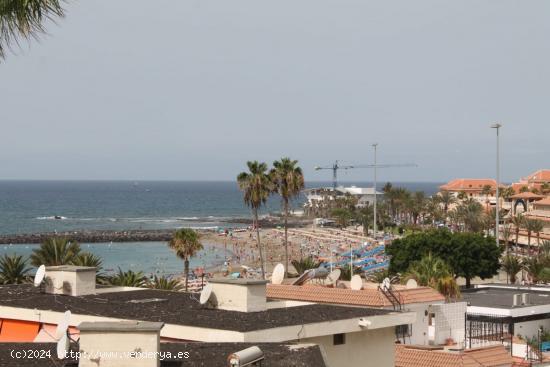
(191, 90)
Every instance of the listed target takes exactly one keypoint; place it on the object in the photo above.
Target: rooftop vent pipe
(516, 300)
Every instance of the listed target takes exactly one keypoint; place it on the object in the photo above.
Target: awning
(18, 331)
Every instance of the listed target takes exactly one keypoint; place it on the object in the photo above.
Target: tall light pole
(375, 165)
(497, 127)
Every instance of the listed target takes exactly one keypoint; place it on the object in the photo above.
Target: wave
(208, 219)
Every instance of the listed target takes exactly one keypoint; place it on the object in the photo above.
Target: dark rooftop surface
(200, 354)
(503, 297)
(176, 308)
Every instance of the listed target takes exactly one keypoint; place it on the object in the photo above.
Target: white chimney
(244, 295)
(119, 344)
(525, 299)
(516, 300)
(70, 280)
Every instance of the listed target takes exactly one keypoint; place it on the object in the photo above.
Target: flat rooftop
(200, 354)
(503, 297)
(176, 308)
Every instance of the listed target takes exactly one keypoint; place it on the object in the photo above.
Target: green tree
(128, 279)
(532, 226)
(305, 264)
(288, 182)
(364, 216)
(533, 266)
(186, 243)
(256, 186)
(467, 254)
(164, 283)
(446, 199)
(433, 272)
(92, 260)
(345, 271)
(511, 265)
(25, 19)
(55, 251)
(342, 216)
(517, 221)
(13, 269)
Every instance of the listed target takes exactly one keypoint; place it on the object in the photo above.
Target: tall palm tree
(13, 269)
(517, 221)
(506, 234)
(25, 19)
(186, 243)
(55, 251)
(447, 199)
(288, 182)
(531, 226)
(256, 186)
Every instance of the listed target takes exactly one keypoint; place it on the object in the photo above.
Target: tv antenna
(278, 274)
(63, 346)
(411, 283)
(206, 293)
(356, 282)
(334, 276)
(39, 276)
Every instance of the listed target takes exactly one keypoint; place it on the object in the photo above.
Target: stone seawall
(91, 236)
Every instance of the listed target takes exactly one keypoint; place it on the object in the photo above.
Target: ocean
(32, 206)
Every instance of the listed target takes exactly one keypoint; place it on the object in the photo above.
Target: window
(339, 339)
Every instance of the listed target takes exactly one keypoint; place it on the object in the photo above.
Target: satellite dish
(386, 283)
(356, 282)
(39, 276)
(411, 283)
(205, 294)
(334, 276)
(62, 347)
(63, 325)
(278, 274)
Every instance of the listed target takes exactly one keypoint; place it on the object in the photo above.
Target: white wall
(369, 348)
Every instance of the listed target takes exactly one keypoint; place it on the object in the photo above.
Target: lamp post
(497, 127)
(374, 184)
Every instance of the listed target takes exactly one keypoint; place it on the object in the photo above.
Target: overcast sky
(134, 89)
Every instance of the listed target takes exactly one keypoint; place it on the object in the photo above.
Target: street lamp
(374, 224)
(497, 127)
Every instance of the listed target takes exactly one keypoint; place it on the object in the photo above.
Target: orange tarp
(18, 331)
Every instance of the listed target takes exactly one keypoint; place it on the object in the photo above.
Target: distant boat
(58, 217)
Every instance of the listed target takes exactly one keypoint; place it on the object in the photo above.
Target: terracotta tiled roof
(545, 202)
(542, 175)
(527, 195)
(413, 356)
(364, 297)
(468, 184)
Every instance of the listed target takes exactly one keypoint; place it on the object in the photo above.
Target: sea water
(152, 258)
(48, 206)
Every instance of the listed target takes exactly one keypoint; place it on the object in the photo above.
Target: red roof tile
(414, 356)
(468, 184)
(365, 297)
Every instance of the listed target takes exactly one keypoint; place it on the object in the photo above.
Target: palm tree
(186, 243)
(55, 251)
(532, 225)
(89, 259)
(533, 266)
(447, 199)
(506, 234)
(486, 190)
(305, 264)
(256, 187)
(25, 19)
(433, 272)
(128, 279)
(511, 265)
(164, 283)
(538, 226)
(517, 221)
(364, 216)
(288, 182)
(13, 269)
